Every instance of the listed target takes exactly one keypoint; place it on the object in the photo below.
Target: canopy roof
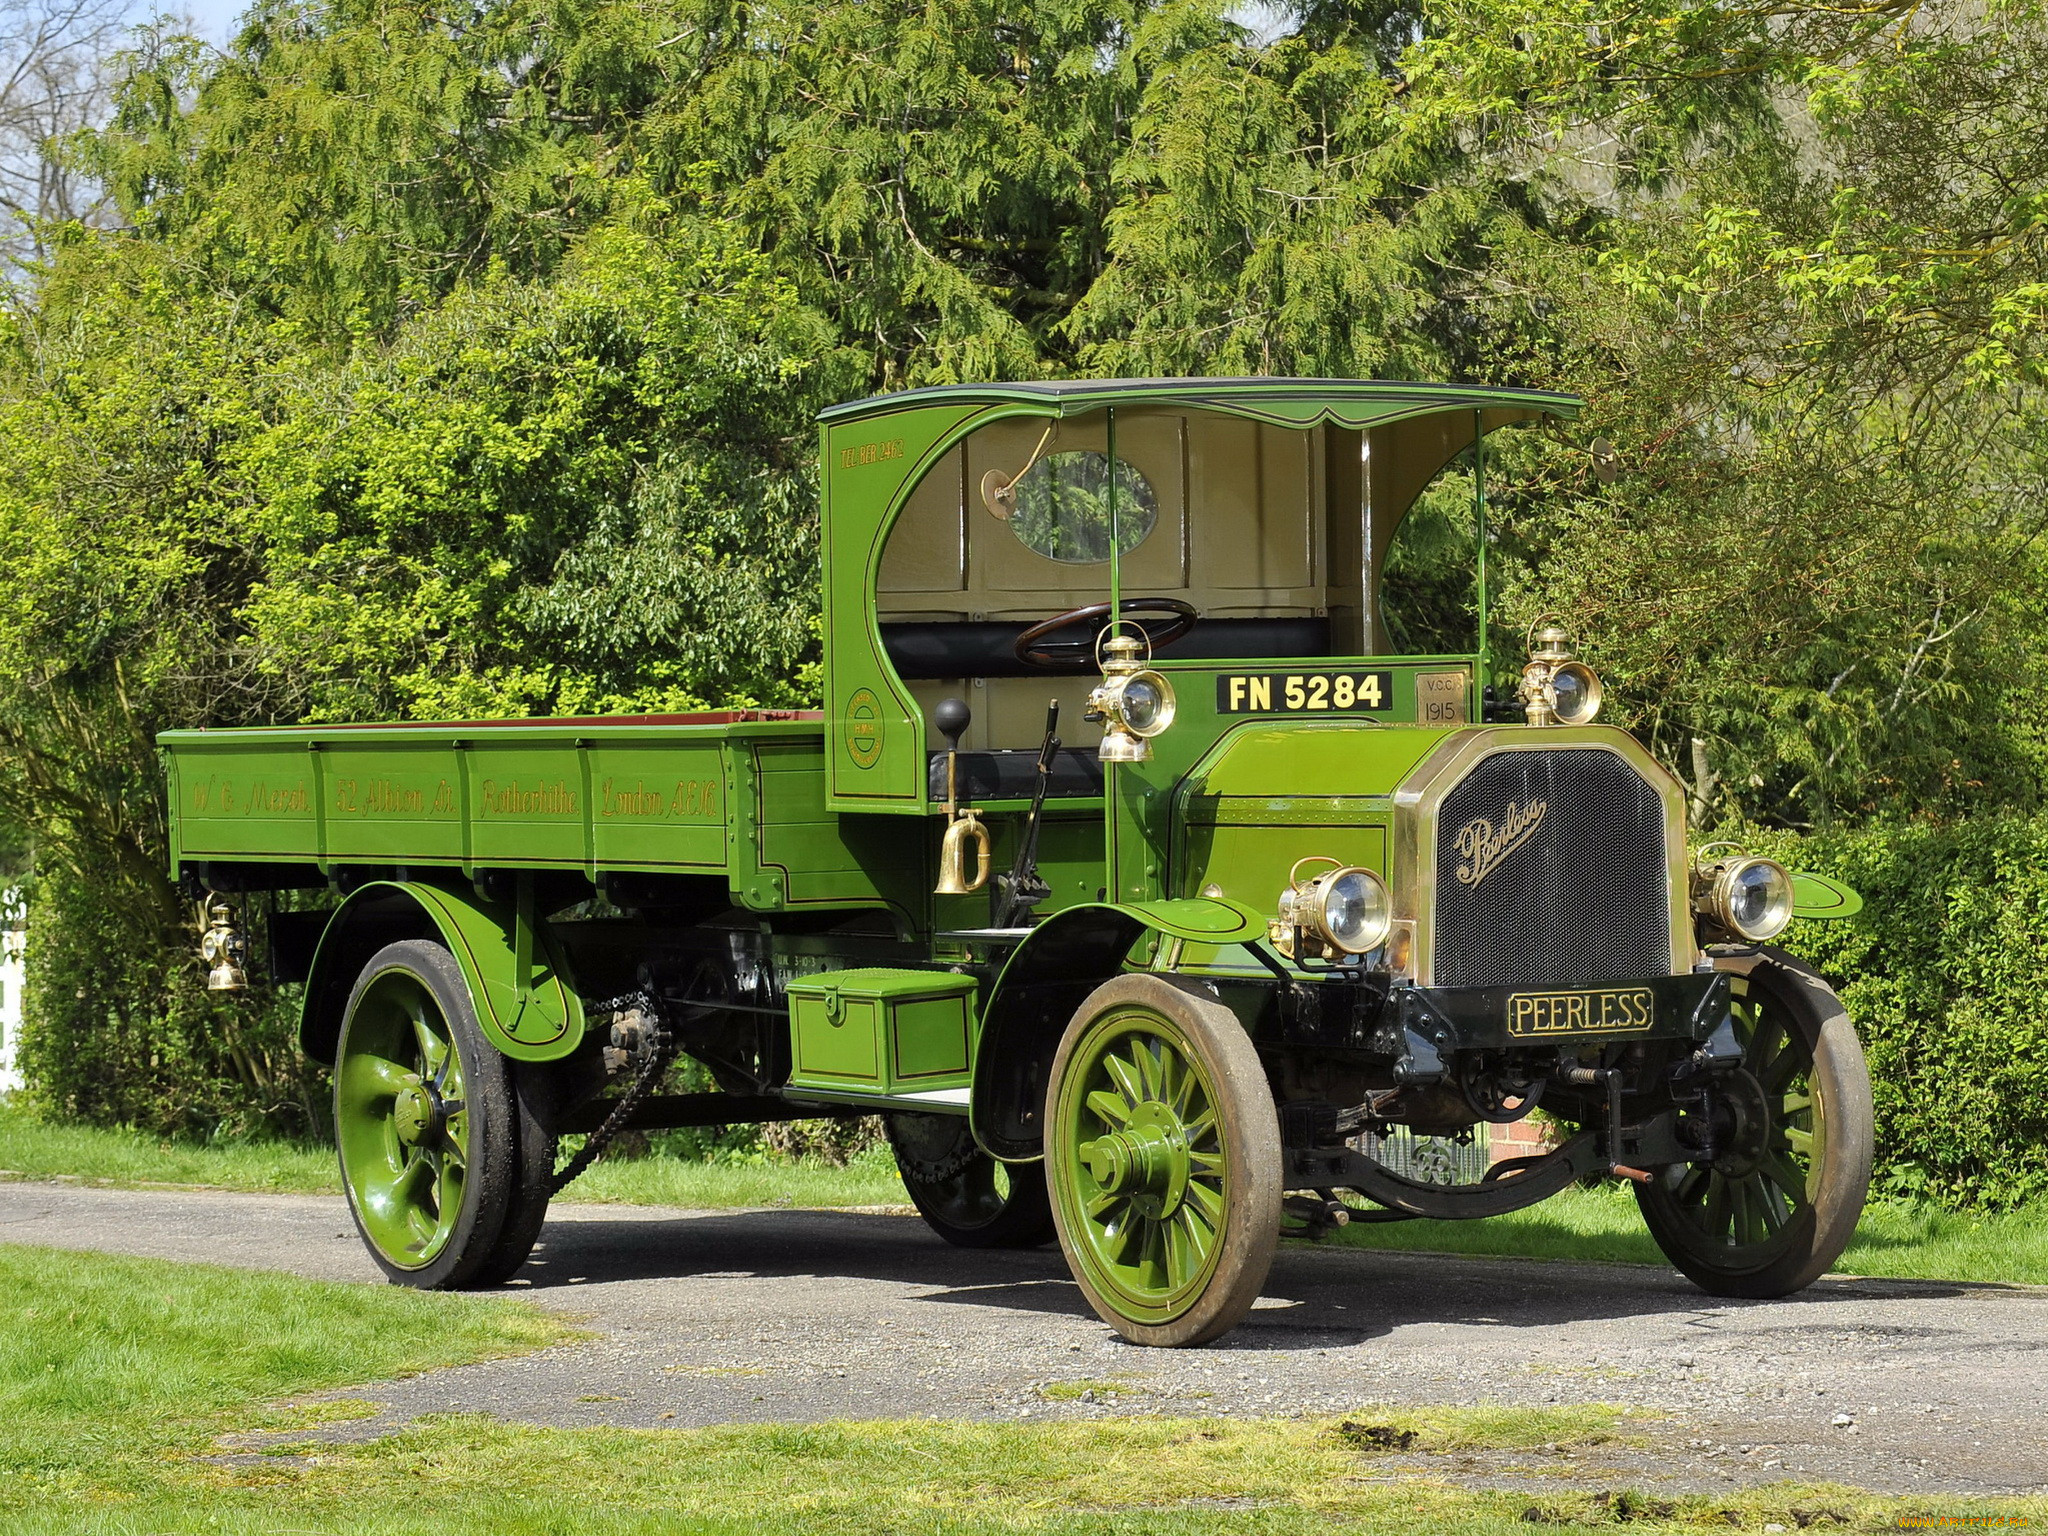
(1286, 402)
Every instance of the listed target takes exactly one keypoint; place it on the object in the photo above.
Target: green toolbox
(880, 1030)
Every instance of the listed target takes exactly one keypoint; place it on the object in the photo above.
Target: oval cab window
(1063, 507)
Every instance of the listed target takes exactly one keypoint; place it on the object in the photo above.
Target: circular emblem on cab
(863, 729)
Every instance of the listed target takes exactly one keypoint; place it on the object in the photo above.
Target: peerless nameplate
(1597, 1011)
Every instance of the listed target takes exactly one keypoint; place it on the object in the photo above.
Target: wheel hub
(1742, 1124)
(418, 1112)
(1146, 1160)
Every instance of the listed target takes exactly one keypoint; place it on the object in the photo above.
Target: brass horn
(966, 830)
(963, 825)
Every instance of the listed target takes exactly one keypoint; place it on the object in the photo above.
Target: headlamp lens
(1575, 693)
(1356, 910)
(1756, 898)
(1145, 704)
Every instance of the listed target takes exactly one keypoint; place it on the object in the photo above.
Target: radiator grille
(1577, 894)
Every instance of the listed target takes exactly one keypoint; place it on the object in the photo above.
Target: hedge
(1945, 972)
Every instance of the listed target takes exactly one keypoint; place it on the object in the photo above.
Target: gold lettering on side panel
(870, 453)
(277, 800)
(690, 797)
(541, 799)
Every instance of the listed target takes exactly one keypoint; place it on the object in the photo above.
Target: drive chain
(661, 1051)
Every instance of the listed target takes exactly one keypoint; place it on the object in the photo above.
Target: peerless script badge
(1483, 846)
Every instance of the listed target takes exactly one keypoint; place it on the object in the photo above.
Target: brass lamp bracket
(999, 491)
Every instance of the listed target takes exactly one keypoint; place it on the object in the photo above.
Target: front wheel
(1793, 1128)
(425, 1123)
(1162, 1152)
(963, 1194)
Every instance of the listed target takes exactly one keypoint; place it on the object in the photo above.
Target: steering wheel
(1035, 650)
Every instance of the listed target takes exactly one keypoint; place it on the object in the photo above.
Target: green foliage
(1944, 971)
(465, 365)
(592, 494)
(589, 494)
(110, 1037)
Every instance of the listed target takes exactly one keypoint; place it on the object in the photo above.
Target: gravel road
(792, 1315)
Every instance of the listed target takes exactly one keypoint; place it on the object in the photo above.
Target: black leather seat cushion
(1010, 775)
(958, 649)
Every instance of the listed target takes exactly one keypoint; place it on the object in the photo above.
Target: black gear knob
(952, 717)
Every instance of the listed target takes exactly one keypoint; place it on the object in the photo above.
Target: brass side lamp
(1555, 690)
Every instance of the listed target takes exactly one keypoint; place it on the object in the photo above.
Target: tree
(589, 492)
(461, 363)
(58, 64)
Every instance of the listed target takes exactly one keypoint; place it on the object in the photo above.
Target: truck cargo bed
(736, 793)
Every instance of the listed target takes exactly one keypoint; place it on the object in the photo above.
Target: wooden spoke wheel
(1793, 1131)
(964, 1195)
(425, 1123)
(1163, 1156)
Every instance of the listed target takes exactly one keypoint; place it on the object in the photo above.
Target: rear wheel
(424, 1121)
(964, 1195)
(1163, 1156)
(1793, 1127)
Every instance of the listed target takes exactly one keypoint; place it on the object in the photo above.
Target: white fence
(13, 934)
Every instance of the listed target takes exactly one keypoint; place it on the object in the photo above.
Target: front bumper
(1420, 1026)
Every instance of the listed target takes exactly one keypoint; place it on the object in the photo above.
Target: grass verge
(104, 1356)
(1912, 1242)
(34, 1149)
(121, 1376)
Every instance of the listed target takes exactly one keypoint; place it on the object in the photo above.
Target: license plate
(1304, 693)
(1595, 1011)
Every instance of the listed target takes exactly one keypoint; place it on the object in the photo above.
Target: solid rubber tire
(1840, 1078)
(1251, 1126)
(1024, 1220)
(533, 1181)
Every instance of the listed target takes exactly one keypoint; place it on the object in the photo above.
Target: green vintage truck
(1164, 847)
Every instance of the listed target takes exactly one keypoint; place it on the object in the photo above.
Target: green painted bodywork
(876, 452)
(776, 816)
(875, 1031)
(1266, 794)
(1817, 896)
(524, 1002)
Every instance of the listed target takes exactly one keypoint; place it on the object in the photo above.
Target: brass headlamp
(1739, 897)
(1133, 701)
(1342, 910)
(1556, 690)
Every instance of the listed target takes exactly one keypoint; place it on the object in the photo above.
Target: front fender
(1818, 896)
(524, 1002)
(1067, 957)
